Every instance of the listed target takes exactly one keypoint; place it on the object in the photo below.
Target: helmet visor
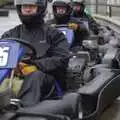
(76, 7)
(61, 10)
(29, 9)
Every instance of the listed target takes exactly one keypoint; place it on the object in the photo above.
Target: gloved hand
(73, 26)
(26, 69)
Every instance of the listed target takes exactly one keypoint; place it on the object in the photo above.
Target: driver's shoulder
(54, 34)
(12, 32)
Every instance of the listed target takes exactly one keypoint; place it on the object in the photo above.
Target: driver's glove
(73, 26)
(26, 69)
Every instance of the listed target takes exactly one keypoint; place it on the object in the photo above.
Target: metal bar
(96, 6)
(101, 4)
(110, 11)
(11, 79)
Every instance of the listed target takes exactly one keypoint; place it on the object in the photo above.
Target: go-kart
(10, 107)
(86, 102)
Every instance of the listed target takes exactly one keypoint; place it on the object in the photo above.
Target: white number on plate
(4, 56)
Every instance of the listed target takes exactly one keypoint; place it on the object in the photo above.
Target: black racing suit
(93, 25)
(52, 49)
(79, 35)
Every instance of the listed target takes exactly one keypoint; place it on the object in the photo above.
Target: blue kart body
(11, 53)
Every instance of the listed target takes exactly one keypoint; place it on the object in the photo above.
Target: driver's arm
(94, 26)
(77, 25)
(58, 56)
(11, 33)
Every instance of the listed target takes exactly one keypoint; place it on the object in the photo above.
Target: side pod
(99, 93)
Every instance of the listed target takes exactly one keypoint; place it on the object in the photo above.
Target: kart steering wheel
(27, 44)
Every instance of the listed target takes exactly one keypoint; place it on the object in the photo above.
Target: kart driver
(62, 11)
(78, 7)
(52, 52)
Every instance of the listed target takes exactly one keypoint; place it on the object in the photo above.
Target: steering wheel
(32, 53)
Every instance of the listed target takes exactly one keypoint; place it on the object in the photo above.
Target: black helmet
(31, 19)
(62, 18)
(79, 12)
